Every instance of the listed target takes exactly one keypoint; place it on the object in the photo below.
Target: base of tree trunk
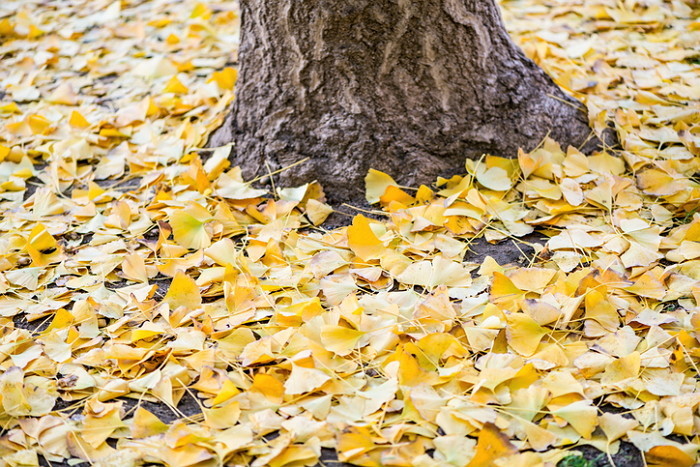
(408, 87)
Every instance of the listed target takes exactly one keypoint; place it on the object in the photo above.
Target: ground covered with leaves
(138, 271)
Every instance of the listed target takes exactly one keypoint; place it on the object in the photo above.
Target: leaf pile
(150, 275)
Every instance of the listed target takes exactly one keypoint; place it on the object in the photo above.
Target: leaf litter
(149, 274)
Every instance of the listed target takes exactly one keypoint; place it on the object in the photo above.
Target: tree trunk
(409, 87)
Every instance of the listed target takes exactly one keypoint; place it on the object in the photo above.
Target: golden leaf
(362, 240)
(145, 424)
(189, 226)
(183, 292)
(225, 78)
(492, 444)
(175, 86)
(42, 247)
(524, 334)
(304, 380)
(376, 184)
(668, 456)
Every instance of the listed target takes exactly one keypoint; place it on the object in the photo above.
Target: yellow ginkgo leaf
(295, 313)
(189, 226)
(582, 416)
(440, 271)
(269, 386)
(63, 94)
(77, 120)
(376, 183)
(542, 312)
(356, 441)
(362, 240)
(668, 456)
(615, 426)
(232, 188)
(503, 291)
(317, 212)
(102, 420)
(134, 268)
(225, 78)
(539, 438)
(659, 183)
(339, 339)
(424, 194)
(304, 380)
(524, 334)
(183, 291)
(4, 152)
(145, 424)
(294, 454)
(201, 11)
(622, 369)
(175, 86)
(38, 124)
(14, 401)
(41, 246)
(223, 416)
(10, 108)
(146, 331)
(573, 194)
(492, 444)
(532, 279)
(494, 178)
(97, 194)
(223, 252)
(395, 194)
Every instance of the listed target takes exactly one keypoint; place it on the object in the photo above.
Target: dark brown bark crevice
(409, 87)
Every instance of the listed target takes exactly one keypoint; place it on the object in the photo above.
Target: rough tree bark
(409, 87)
